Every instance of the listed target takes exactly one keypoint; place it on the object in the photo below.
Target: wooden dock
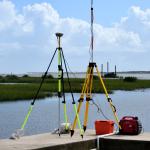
(48, 141)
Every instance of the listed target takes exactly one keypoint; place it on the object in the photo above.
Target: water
(44, 117)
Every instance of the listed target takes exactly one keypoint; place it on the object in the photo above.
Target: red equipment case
(104, 127)
(130, 126)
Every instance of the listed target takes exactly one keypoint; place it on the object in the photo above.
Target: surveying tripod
(87, 94)
(61, 60)
(88, 84)
(61, 92)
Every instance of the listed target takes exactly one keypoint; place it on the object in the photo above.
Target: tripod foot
(72, 132)
(84, 128)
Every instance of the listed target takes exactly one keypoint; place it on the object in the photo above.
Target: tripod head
(59, 35)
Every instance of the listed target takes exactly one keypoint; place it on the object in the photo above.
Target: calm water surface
(44, 117)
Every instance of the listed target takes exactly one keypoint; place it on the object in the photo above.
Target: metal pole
(59, 116)
(92, 33)
(59, 35)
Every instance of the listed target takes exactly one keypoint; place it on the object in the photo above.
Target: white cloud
(31, 32)
(8, 14)
(138, 21)
(117, 39)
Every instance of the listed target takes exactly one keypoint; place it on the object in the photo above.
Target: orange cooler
(104, 127)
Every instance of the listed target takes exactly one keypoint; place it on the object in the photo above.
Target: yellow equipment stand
(87, 93)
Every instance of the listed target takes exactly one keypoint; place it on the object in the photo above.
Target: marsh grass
(29, 86)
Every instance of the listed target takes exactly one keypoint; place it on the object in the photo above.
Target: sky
(28, 41)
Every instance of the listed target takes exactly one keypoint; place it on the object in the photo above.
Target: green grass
(9, 92)
(20, 92)
(121, 85)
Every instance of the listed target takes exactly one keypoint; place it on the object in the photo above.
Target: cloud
(117, 39)
(8, 14)
(30, 34)
(138, 21)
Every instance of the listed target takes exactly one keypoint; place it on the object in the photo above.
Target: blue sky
(106, 11)
(27, 29)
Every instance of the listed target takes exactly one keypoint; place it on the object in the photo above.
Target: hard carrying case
(104, 127)
(130, 126)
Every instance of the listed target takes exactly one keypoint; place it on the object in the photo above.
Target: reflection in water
(44, 117)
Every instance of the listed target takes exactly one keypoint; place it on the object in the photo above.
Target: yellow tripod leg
(109, 99)
(80, 100)
(86, 115)
(79, 123)
(65, 116)
(27, 117)
(88, 98)
(75, 120)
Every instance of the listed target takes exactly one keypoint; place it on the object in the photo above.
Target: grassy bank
(22, 91)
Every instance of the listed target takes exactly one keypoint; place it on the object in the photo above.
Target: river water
(44, 117)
